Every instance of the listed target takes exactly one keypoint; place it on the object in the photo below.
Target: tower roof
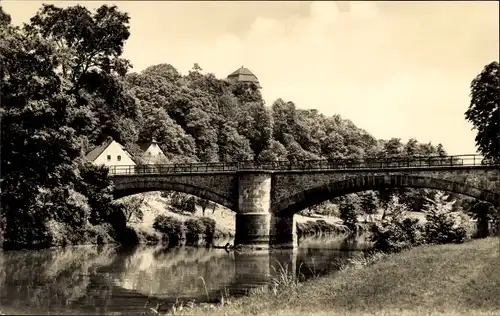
(244, 75)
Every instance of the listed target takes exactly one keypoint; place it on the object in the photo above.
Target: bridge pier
(283, 232)
(256, 227)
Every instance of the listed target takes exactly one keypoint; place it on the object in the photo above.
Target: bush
(396, 234)
(318, 227)
(348, 215)
(209, 229)
(443, 224)
(397, 231)
(306, 229)
(195, 228)
(150, 236)
(99, 234)
(171, 227)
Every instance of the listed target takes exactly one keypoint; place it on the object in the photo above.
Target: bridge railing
(324, 164)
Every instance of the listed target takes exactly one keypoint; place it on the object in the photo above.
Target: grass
(459, 280)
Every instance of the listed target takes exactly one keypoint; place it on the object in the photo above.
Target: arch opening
(302, 200)
(135, 187)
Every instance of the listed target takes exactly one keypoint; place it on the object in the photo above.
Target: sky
(396, 69)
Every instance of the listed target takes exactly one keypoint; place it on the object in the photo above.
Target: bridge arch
(138, 186)
(302, 200)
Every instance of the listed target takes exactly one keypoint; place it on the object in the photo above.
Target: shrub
(209, 229)
(171, 227)
(306, 229)
(194, 229)
(396, 234)
(149, 236)
(397, 231)
(99, 234)
(310, 228)
(347, 208)
(443, 224)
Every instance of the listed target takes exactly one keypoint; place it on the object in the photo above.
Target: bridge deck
(340, 165)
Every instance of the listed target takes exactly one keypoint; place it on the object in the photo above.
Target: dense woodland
(65, 89)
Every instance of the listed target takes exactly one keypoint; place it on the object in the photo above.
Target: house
(151, 151)
(111, 153)
(244, 75)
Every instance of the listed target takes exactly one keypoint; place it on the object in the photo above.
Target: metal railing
(324, 164)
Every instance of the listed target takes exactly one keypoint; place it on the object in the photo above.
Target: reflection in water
(104, 280)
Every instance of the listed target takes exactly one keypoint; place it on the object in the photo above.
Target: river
(112, 280)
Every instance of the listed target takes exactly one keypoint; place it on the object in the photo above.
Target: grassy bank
(460, 279)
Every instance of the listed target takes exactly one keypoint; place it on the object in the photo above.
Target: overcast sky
(396, 69)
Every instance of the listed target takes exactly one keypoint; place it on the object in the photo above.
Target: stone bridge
(265, 196)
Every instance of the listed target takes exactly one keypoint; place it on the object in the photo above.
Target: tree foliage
(444, 225)
(57, 79)
(347, 209)
(397, 231)
(484, 112)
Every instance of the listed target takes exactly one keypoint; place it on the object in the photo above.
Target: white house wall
(114, 150)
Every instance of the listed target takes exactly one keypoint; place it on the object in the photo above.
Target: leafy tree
(411, 147)
(347, 208)
(54, 73)
(369, 202)
(275, 151)
(395, 208)
(444, 225)
(205, 204)
(89, 66)
(233, 146)
(484, 113)
(255, 123)
(393, 147)
(132, 208)
(171, 227)
(483, 212)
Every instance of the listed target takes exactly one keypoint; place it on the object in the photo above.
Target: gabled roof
(145, 145)
(244, 75)
(96, 152)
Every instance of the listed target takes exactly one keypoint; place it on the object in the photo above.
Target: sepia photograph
(265, 158)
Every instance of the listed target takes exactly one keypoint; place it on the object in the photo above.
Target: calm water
(111, 280)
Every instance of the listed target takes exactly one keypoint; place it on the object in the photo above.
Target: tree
(369, 202)
(205, 204)
(393, 147)
(444, 225)
(275, 151)
(484, 113)
(132, 208)
(5, 18)
(57, 73)
(90, 68)
(255, 123)
(232, 146)
(395, 209)
(483, 212)
(347, 208)
(411, 147)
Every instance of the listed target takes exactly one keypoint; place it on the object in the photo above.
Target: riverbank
(154, 204)
(459, 279)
